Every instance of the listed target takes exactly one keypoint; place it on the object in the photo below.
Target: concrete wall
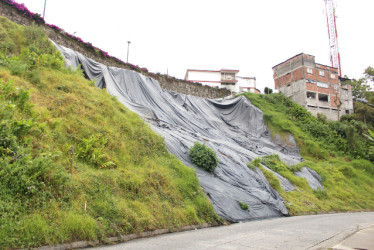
(62, 38)
(296, 92)
(212, 76)
(331, 114)
(206, 78)
(245, 84)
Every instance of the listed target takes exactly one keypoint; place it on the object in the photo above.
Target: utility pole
(45, 3)
(128, 45)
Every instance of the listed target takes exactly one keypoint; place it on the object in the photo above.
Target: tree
(268, 90)
(361, 87)
(364, 113)
(337, 100)
(369, 73)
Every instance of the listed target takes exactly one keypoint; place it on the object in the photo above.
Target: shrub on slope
(203, 157)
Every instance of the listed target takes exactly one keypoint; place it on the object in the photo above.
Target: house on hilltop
(314, 86)
(224, 78)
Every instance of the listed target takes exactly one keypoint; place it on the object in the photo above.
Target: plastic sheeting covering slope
(285, 184)
(233, 128)
(312, 177)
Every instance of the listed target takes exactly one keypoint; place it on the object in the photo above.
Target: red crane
(333, 35)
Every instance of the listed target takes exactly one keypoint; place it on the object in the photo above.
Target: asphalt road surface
(299, 232)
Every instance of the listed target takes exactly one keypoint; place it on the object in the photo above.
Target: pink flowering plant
(38, 19)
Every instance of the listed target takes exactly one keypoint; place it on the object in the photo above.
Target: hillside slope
(340, 152)
(75, 163)
(234, 129)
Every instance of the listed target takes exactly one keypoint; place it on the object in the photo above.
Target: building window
(322, 85)
(323, 97)
(227, 76)
(310, 95)
(347, 111)
(309, 71)
(332, 76)
(321, 73)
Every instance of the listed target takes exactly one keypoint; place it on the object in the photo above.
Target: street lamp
(45, 3)
(128, 45)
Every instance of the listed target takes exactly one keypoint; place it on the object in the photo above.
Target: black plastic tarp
(233, 128)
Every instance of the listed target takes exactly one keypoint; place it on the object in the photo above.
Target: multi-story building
(246, 84)
(224, 78)
(315, 86)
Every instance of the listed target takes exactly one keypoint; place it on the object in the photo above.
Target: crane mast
(333, 35)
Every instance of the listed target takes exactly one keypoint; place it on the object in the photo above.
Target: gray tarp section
(311, 176)
(286, 185)
(233, 128)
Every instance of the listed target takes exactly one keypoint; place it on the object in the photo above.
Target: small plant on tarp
(203, 157)
(243, 206)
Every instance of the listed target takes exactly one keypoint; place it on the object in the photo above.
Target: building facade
(224, 78)
(246, 84)
(315, 86)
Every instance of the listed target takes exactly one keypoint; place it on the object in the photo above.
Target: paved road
(299, 232)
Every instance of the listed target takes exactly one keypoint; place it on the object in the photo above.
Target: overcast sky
(248, 35)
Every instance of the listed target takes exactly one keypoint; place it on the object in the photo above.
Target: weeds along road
(299, 232)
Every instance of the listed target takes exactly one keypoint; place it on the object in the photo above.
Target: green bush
(321, 117)
(203, 157)
(92, 151)
(243, 206)
(23, 175)
(17, 68)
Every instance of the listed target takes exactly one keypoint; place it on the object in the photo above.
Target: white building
(224, 78)
(246, 84)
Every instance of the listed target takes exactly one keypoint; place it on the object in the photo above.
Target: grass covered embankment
(340, 152)
(75, 164)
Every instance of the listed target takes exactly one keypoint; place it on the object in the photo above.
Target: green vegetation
(363, 112)
(340, 152)
(316, 137)
(203, 157)
(243, 206)
(268, 91)
(75, 164)
(347, 185)
(361, 89)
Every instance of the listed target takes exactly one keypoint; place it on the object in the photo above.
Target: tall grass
(317, 137)
(347, 179)
(75, 164)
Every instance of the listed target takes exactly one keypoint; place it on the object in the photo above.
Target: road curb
(124, 238)
(343, 244)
